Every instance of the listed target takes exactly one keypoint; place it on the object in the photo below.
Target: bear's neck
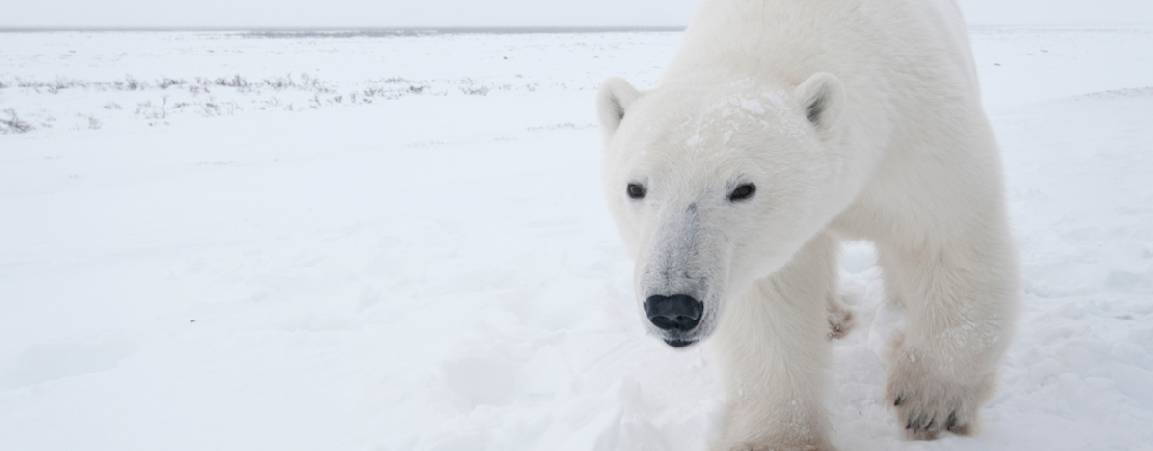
(780, 40)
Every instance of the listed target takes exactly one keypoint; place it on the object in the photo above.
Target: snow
(431, 267)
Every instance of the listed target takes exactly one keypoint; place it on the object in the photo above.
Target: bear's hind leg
(840, 317)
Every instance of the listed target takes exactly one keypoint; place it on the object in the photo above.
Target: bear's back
(865, 43)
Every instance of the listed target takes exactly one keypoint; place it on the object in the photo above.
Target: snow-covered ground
(361, 242)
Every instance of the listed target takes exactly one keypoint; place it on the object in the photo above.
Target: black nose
(679, 312)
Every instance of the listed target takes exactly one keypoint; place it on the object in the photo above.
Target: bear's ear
(614, 99)
(820, 98)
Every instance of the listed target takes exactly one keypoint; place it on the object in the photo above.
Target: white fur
(898, 151)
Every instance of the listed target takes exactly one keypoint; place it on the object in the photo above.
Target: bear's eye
(636, 191)
(743, 192)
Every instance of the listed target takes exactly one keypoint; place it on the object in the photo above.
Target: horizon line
(407, 28)
(457, 29)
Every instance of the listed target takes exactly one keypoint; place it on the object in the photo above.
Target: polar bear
(780, 128)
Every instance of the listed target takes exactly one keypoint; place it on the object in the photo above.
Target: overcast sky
(484, 12)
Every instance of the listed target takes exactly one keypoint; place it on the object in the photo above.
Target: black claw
(909, 425)
(929, 427)
(915, 422)
(951, 422)
(898, 401)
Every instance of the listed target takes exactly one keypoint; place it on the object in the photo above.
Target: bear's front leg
(960, 303)
(773, 349)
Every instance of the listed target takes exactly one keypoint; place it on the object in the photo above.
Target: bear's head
(714, 186)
